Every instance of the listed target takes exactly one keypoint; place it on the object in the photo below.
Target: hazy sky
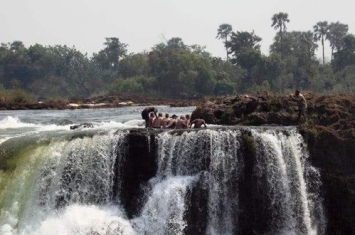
(144, 23)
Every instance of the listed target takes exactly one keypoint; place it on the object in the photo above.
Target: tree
(223, 32)
(130, 85)
(114, 51)
(78, 72)
(245, 50)
(346, 55)
(15, 64)
(346, 80)
(307, 39)
(181, 70)
(279, 22)
(205, 82)
(223, 87)
(176, 43)
(298, 44)
(299, 56)
(335, 35)
(17, 45)
(134, 65)
(200, 50)
(241, 41)
(320, 31)
(42, 61)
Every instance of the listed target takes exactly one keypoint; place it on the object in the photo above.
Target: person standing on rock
(302, 105)
(146, 112)
(198, 123)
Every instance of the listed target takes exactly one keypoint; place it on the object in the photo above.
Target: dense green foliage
(176, 70)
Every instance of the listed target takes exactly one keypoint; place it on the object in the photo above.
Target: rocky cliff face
(329, 134)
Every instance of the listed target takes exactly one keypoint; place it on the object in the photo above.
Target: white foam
(120, 125)
(6, 230)
(2, 140)
(53, 127)
(136, 123)
(84, 219)
(164, 211)
(13, 122)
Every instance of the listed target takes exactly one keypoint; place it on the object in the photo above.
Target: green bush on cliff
(130, 85)
(19, 96)
(15, 96)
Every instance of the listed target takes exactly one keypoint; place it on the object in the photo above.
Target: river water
(26, 122)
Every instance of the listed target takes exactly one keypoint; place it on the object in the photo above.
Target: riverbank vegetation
(173, 69)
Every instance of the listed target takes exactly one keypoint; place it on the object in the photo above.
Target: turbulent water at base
(70, 184)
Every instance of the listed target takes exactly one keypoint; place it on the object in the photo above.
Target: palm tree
(320, 31)
(279, 22)
(223, 32)
(335, 35)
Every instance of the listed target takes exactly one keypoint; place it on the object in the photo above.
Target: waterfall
(57, 175)
(281, 168)
(210, 151)
(222, 178)
(164, 210)
(211, 181)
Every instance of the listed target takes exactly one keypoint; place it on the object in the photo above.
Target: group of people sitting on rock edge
(154, 120)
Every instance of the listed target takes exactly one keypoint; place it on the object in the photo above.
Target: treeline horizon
(173, 69)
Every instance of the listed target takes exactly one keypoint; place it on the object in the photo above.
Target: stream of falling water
(281, 164)
(66, 186)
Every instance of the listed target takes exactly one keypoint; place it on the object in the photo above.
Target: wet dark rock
(137, 169)
(334, 156)
(82, 125)
(197, 212)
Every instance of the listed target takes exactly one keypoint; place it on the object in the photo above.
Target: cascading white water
(67, 186)
(164, 210)
(78, 219)
(188, 153)
(281, 160)
(59, 175)
(179, 154)
(223, 194)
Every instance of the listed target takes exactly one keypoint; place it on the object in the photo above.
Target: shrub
(127, 86)
(19, 96)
